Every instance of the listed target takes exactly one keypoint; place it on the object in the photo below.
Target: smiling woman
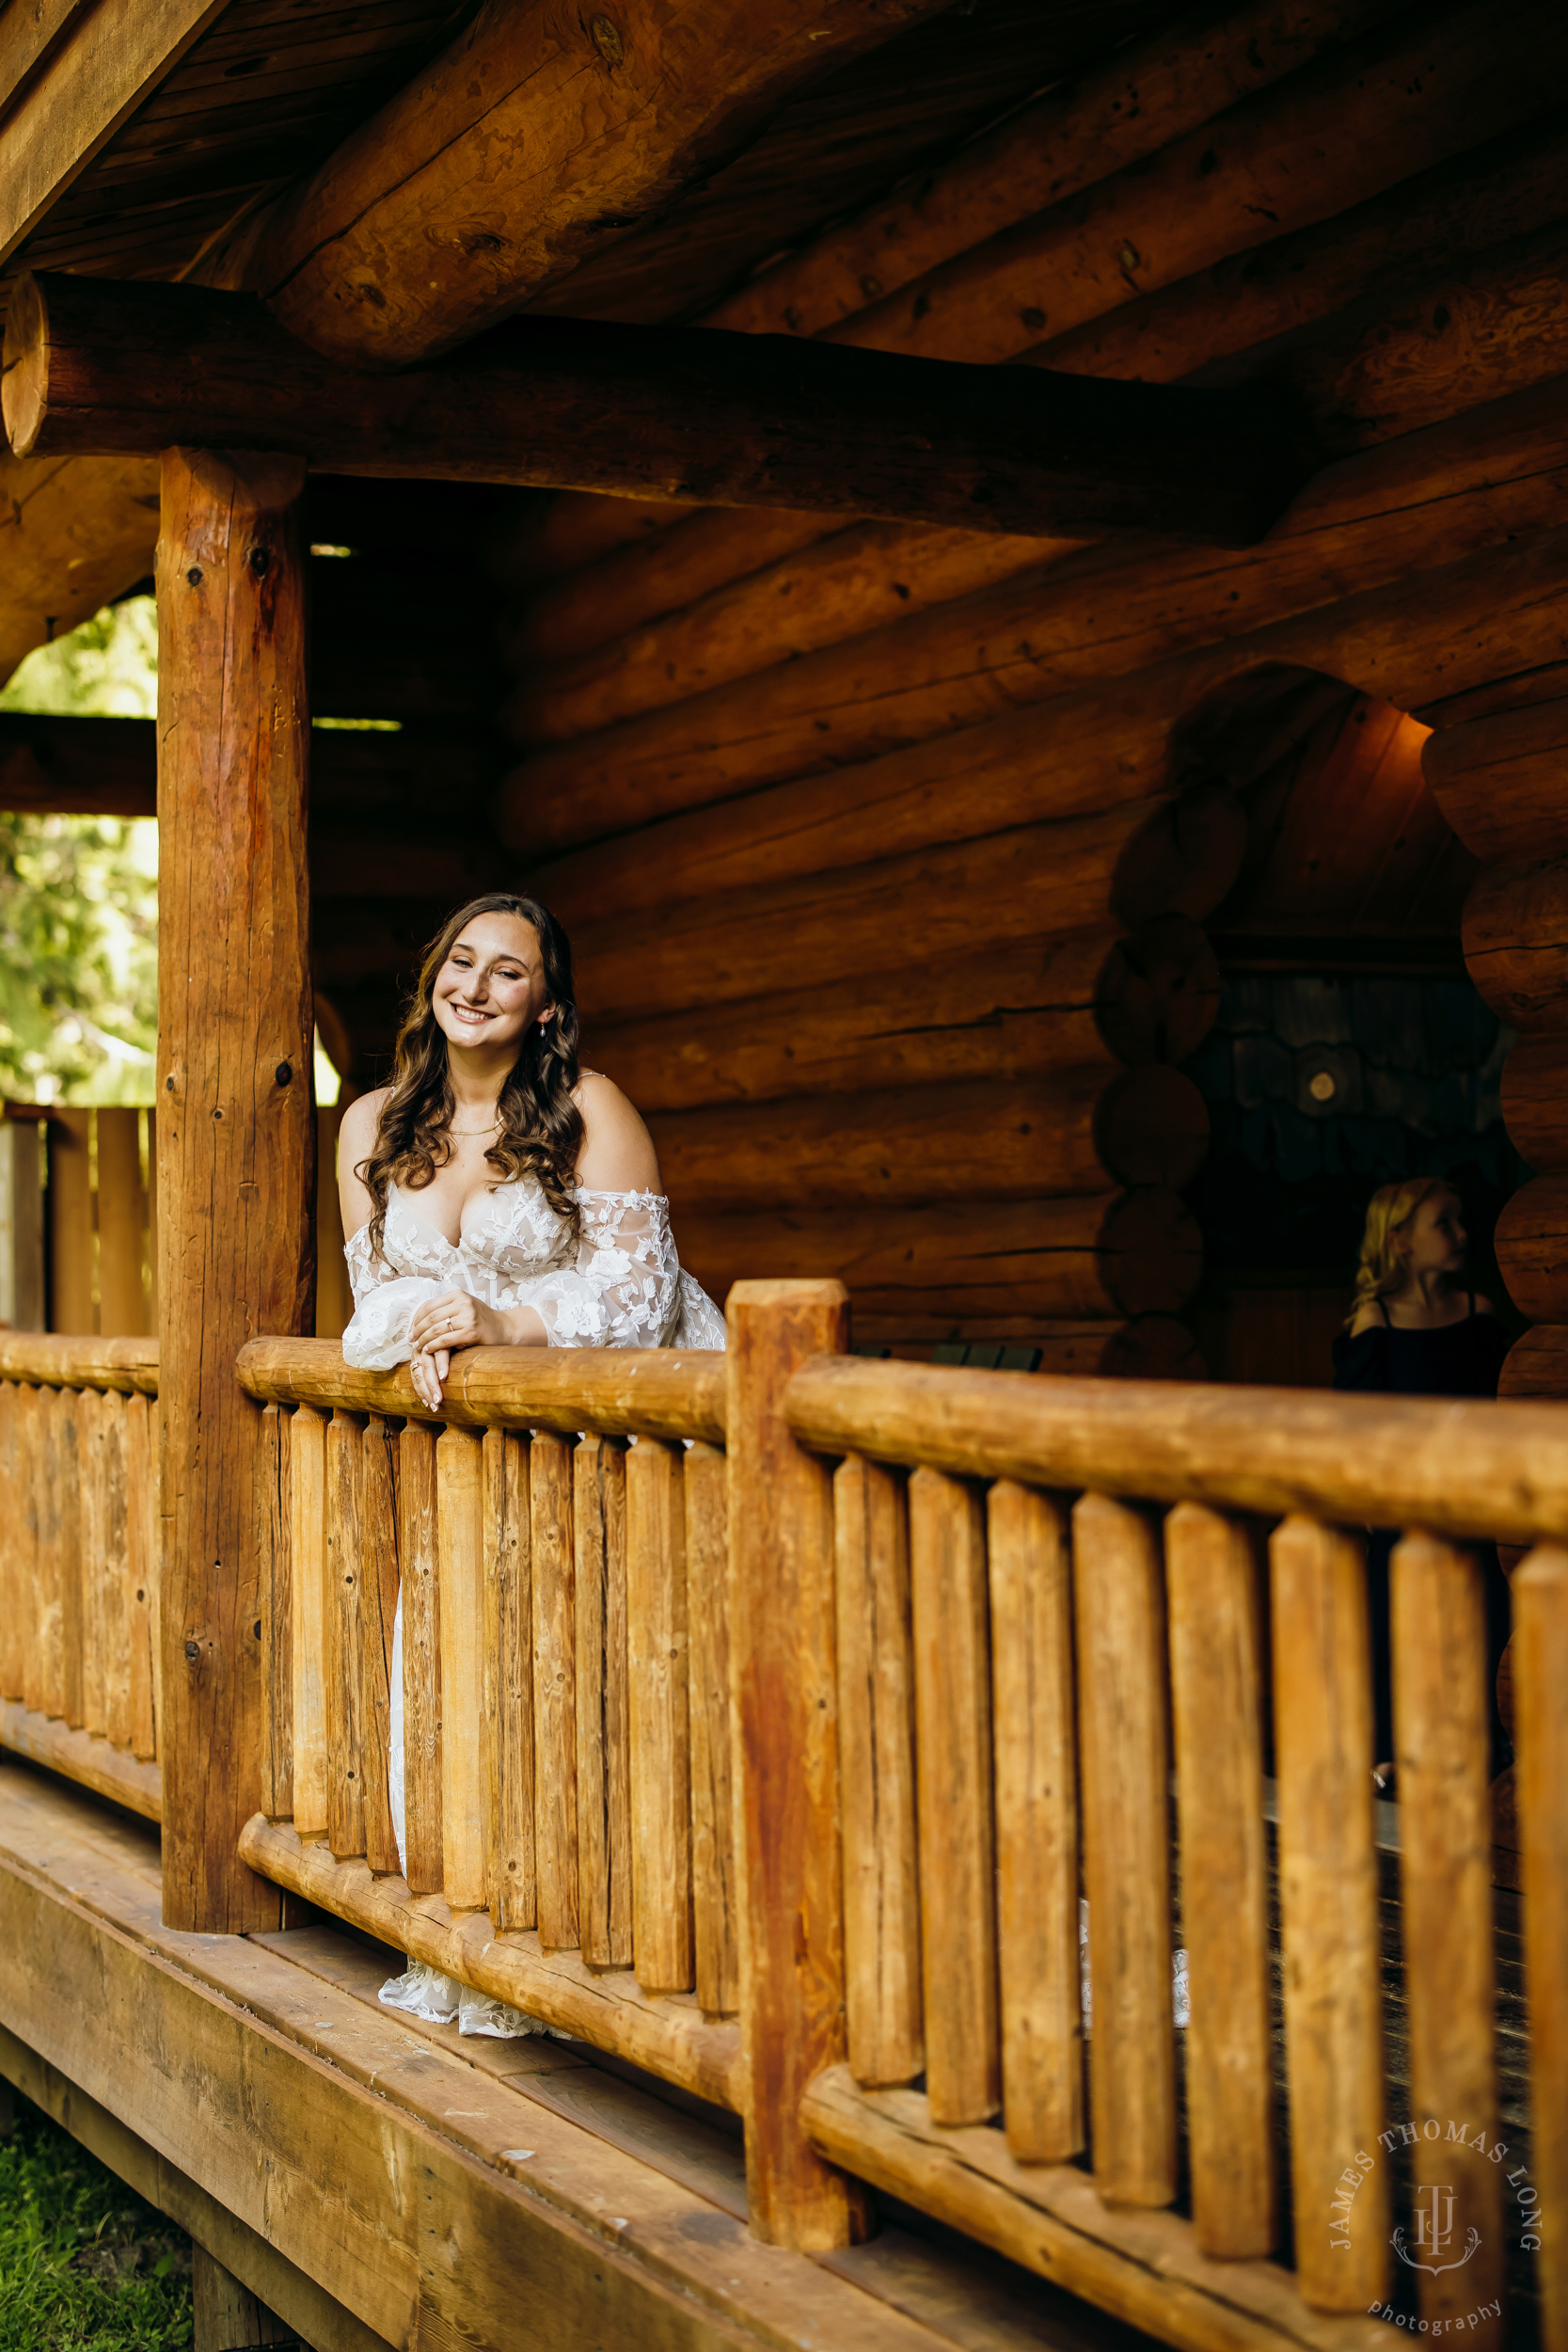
(540, 1220)
(498, 1196)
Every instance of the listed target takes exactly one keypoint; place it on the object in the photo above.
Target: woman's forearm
(524, 1327)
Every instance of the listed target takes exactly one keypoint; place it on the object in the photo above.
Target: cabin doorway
(1351, 1048)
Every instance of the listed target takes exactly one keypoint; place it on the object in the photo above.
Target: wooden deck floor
(407, 2187)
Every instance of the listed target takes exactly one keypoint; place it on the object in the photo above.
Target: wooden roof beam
(542, 135)
(92, 367)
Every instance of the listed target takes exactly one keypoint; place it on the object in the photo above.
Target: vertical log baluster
(603, 1702)
(555, 1773)
(73, 1592)
(1214, 1586)
(1540, 1680)
(345, 1641)
(49, 1695)
(950, 1607)
(273, 1549)
(1036, 1824)
(422, 1659)
(307, 1557)
(34, 1442)
(708, 1616)
(121, 1219)
(141, 1575)
(460, 1548)
(785, 1753)
(378, 1600)
(1442, 1741)
(15, 1578)
(1119, 1589)
(660, 1719)
(236, 1137)
(1323, 1715)
(93, 1556)
(511, 1873)
(876, 1717)
(118, 1620)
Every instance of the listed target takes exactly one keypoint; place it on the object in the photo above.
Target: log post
(786, 1742)
(235, 1133)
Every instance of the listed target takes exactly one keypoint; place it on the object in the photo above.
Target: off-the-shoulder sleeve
(625, 1289)
(385, 1305)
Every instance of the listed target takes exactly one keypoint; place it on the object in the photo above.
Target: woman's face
(1436, 1236)
(491, 988)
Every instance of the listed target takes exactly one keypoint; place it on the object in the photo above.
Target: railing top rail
(621, 1392)
(1456, 1467)
(53, 1359)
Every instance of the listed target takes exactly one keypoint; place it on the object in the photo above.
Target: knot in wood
(283, 1073)
(260, 559)
(194, 576)
(606, 36)
(193, 1649)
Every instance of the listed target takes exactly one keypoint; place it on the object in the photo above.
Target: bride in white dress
(497, 1196)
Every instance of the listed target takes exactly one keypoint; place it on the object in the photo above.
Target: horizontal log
(1141, 2267)
(1361, 556)
(1362, 118)
(1093, 1255)
(1152, 1347)
(72, 538)
(1537, 1364)
(1369, 255)
(574, 528)
(1535, 1102)
(1471, 1468)
(529, 145)
(1515, 938)
(83, 1757)
(108, 767)
(78, 767)
(1105, 120)
(1512, 690)
(47, 1359)
(1008, 1011)
(1073, 1132)
(1150, 858)
(1502, 782)
(656, 1392)
(811, 594)
(668, 2035)
(1531, 1246)
(94, 367)
(1499, 194)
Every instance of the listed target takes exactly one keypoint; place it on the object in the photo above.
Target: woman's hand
(455, 1320)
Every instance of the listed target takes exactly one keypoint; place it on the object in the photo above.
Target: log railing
(779, 1720)
(79, 1560)
(561, 1548)
(1048, 1593)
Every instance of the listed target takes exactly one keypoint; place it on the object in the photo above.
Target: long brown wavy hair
(541, 1127)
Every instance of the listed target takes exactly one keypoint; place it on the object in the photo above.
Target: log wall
(848, 822)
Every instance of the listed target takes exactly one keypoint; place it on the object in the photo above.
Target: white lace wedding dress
(620, 1285)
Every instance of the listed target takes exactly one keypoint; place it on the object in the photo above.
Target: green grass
(85, 2265)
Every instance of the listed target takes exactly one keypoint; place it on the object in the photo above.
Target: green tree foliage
(79, 894)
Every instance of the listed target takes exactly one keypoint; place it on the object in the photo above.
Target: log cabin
(1048, 761)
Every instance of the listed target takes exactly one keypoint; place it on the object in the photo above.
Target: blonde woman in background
(1414, 1330)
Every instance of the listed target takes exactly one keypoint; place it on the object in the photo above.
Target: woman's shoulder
(1368, 1316)
(362, 1117)
(617, 1152)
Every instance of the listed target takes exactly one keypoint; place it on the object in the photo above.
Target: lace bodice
(620, 1286)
